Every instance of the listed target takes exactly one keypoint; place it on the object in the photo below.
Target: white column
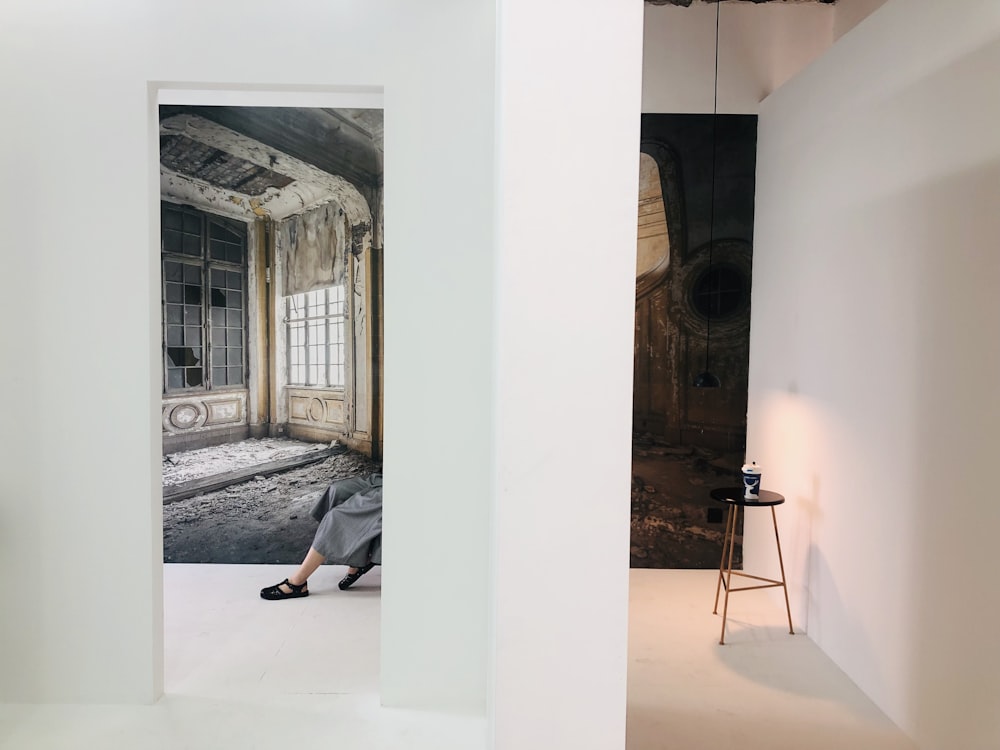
(569, 79)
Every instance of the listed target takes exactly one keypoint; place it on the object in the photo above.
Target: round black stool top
(734, 496)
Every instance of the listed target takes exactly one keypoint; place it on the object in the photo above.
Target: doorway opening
(270, 256)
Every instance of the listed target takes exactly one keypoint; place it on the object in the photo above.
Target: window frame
(341, 319)
(205, 265)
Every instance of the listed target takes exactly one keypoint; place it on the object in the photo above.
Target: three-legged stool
(733, 497)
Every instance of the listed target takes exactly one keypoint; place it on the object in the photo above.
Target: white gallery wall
(875, 359)
(465, 462)
(849, 13)
(79, 478)
(564, 420)
(760, 47)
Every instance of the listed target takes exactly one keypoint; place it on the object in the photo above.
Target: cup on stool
(751, 481)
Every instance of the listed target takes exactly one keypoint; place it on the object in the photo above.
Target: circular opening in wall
(718, 292)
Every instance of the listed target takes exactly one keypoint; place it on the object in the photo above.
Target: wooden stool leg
(722, 559)
(729, 574)
(781, 564)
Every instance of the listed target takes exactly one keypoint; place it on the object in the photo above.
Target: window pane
(317, 332)
(218, 298)
(220, 232)
(192, 274)
(175, 336)
(192, 223)
(171, 218)
(194, 377)
(173, 271)
(175, 293)
(172, 242)
(218, 316)
(183, 356)
(192, 245)
(234, 254)
(192, 315)
(218, 337)
(219, 376)
(235, 299)
(234, 319)
(192, 336)
(175, 313)
(234, 280)
(175, 377)
(235, 356)
(235, 375)
(192, 294)
(218, 278)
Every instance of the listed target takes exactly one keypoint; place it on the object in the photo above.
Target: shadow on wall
(955, 516)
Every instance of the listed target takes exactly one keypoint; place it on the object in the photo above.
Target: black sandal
(351, 578)
(274, 592)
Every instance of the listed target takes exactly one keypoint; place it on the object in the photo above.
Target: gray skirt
(350, 522)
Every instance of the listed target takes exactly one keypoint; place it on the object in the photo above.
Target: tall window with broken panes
(314, 326)
(204, 300)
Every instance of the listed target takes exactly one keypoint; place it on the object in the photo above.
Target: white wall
(849, 13)
(760, 47)
(79, 472)
(874, 359)
(467, 435)
(568, 104)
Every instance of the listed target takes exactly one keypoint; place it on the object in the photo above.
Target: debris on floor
(671, 527)
(265, 520)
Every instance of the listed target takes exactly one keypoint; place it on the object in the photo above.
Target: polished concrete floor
(763, 690)
(242, 673)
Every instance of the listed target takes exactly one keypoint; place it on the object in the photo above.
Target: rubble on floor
(671, 523)
(261, 521)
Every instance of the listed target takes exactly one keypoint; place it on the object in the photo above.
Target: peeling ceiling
(249, 162)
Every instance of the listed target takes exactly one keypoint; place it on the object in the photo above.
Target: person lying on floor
(349, 533)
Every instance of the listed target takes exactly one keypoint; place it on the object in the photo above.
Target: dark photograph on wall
(692, 330)
(271, 278)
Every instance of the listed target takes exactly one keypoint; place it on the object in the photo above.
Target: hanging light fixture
(708, 379)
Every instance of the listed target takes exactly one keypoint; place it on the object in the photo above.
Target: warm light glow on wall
(793, 430)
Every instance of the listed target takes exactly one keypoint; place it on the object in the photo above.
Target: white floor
(763, 690)
(243, 673)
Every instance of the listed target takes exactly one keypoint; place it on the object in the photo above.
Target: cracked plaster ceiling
(249, 162)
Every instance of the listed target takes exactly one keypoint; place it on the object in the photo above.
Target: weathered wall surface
(671, 332)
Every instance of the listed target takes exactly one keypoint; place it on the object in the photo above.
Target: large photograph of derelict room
(271, 241)
(692, 316)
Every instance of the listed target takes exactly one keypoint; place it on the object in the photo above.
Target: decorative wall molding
(192, 413)
(316, 408)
